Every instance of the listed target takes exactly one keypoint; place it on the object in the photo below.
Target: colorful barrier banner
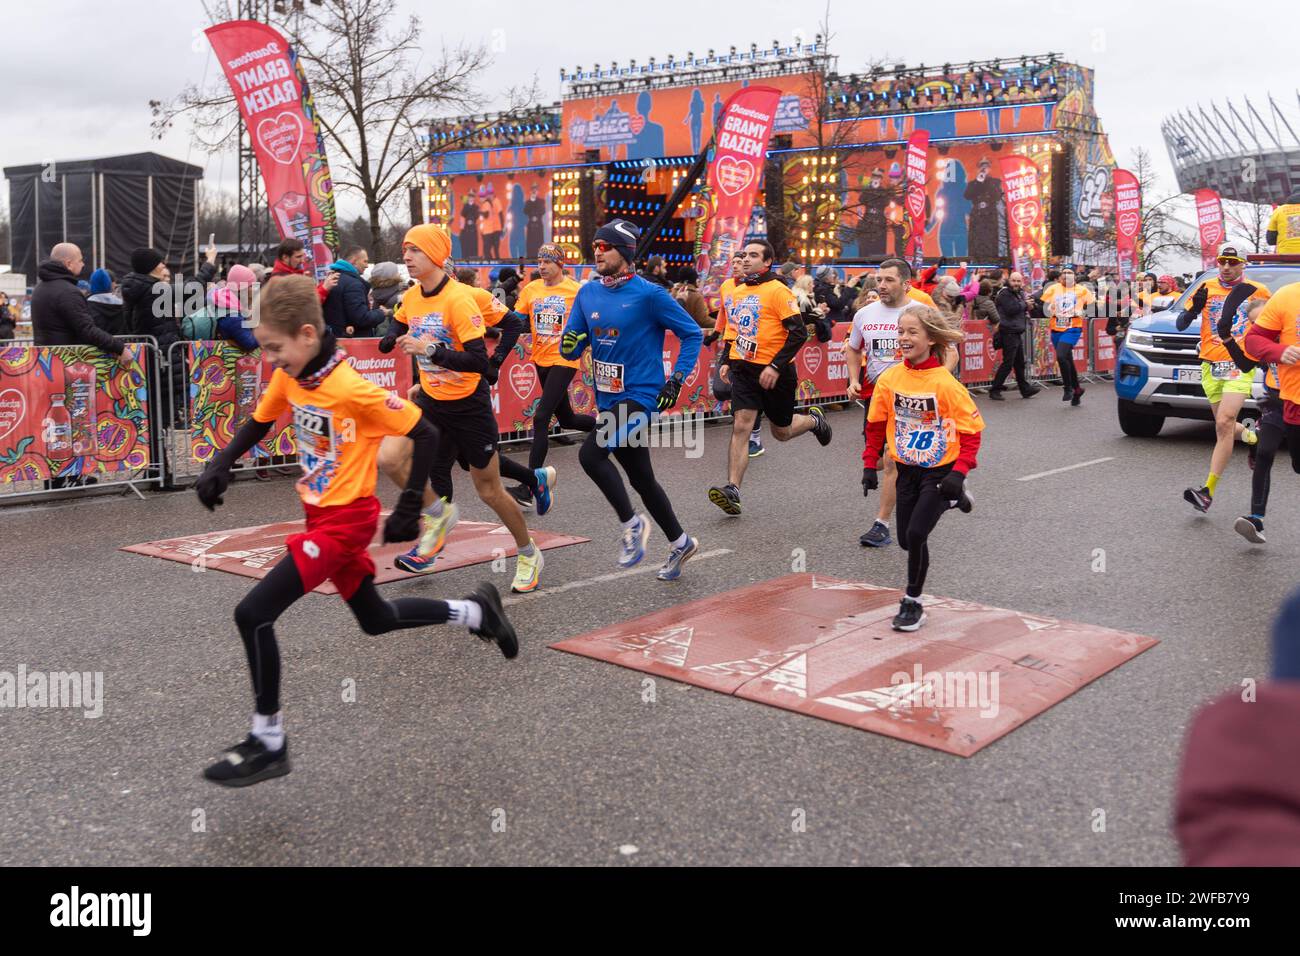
(914, 174)
(1024, 201)
(1103, 347)
(283, 129)
(734, 176)
(226, 384)
(1209, 225)
(71, 410)
(979, 360)
(1128, 221)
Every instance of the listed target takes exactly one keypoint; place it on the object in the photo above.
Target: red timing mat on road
(824, 647)
(253, 551)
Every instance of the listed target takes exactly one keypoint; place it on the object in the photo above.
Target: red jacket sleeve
(322, 292)
(968, 448)
(875, 444)
(1264, 344)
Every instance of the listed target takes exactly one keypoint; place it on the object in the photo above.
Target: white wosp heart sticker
(523, 379)
(734, 175)
(13, 408)
(1128, 223)
(1025, 213)
(281, 136)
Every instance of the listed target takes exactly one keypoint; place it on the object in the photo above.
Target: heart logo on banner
(1213, 233)
(281, 137)
(812, 358)
(13, 409)
(915, 202)
(523, 379)
(1128, 223)
(1025, 214)
(734, 175)
(637, 122)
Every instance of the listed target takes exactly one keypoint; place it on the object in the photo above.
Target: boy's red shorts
(333, 548)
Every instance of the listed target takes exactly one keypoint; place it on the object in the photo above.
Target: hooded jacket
(60, 315)
(348, 303)
(148, 306)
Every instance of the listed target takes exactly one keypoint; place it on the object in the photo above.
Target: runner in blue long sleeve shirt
(622, 318)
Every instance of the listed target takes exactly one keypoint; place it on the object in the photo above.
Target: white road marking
(1057, 471)
(604, 578)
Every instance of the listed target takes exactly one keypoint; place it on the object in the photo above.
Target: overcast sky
(77, 78)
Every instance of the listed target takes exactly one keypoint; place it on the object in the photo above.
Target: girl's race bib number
(920, 434)
(609, 377)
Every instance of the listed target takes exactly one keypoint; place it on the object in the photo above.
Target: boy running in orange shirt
(339, 419)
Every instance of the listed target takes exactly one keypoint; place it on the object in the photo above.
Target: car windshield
(1273, 277)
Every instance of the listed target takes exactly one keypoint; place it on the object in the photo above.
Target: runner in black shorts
(759, 366)
(446, 337)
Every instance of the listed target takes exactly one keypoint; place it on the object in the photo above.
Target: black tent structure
(108, 207)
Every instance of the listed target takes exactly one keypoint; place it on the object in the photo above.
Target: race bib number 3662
(920, 435)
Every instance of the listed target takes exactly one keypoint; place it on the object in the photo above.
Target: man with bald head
(60, 315)
(1013, 321)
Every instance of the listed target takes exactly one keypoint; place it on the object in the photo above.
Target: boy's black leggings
(257, 613)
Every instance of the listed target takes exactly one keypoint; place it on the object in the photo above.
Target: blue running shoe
(672, 568)
(633, 545)
(544, 496)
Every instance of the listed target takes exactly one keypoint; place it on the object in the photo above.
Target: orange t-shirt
(489, 215)
(726, 294)
(451, 317)
(548, 307)
(925, 411)
(757, 312)
(1282, 315)
(1066, 306)
(1212, 350)
(919, 295)
(337, 426)
(490, 307)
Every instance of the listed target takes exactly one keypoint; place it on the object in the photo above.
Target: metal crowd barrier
(114, 425)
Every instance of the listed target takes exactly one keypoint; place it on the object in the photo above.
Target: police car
(1158, 370)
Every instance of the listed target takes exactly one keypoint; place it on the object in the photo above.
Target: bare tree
(219, 213)
(373, 89)
(1249, 221)
(1161, 233)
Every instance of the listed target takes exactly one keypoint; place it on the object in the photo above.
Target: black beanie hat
(144, 260)
(620, 234)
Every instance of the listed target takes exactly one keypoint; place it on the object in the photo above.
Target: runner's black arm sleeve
(796, 336)
(1231, 304)
(426, 444)
(511, 327)
(249, 435)
(398, 329)
(473, 359)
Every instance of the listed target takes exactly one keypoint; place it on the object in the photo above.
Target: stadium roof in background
(1247, 154)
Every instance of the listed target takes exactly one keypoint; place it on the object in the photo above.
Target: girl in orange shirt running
(932, 428)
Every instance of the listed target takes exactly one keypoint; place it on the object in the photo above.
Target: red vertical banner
(914, 174)
(740, 146)
(277, 111)
(1209, 225)
(1022, 189)
(1128, 221)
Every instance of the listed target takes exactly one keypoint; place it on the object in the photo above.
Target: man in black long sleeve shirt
(1013, 323)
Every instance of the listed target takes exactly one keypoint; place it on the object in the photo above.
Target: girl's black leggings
(920, 505)
(257, 613)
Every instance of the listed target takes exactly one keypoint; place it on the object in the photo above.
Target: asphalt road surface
(452, 755)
